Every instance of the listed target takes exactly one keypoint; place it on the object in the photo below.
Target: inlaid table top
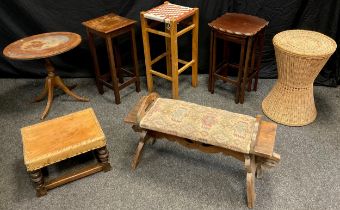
(42, 45)
(108, 23)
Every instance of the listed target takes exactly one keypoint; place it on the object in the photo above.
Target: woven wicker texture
(168, 12)
(291, 101)
(199, 123)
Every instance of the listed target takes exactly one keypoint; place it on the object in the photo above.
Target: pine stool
(171, 15)
(244, 30)
(112, 26)
(55, 140)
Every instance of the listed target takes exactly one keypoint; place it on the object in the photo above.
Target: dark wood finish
(254, 162)
(110, 27)
(248, 32)
(38, 180)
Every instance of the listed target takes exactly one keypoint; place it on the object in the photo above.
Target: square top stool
(55, 140)
(171, 15)
(112, 26)
(246, 31)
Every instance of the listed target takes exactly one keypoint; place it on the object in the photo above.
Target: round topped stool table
(300, 56)
(44, 46)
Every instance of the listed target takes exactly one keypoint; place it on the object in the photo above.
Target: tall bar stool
(247, 31)
(171, 15)
(112, 26)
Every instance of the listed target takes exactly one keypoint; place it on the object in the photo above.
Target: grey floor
(170, 176)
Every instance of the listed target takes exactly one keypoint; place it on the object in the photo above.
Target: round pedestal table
(43, 46)
(300, 56)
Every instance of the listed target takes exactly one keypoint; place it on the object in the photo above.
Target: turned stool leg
(168, 52)
(103, 157)
(38, 179)
(174, 58)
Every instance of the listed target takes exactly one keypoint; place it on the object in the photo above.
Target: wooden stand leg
(240, 73)
(245, 71)
(92, 47)
(113, 69)
(139, 150)
(59, 83)
(38, 179)
(103, 157)
(135, 59)
(168, 52)
(250, 167)
(43, 93)
(147, 55)
(50, 86)
(117, 61)
(213, 62)
(195, 49)
(174, 58)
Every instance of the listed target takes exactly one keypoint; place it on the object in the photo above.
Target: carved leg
(250, 167)
(50, 86)
(38, 179)
(139, 150)
(43, 93)
(103, 157)
(59, 83)
(259, 171)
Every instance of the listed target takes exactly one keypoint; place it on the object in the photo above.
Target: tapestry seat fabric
(200, 123)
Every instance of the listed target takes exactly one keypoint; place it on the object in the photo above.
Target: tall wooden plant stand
(171, 15)
(108, 27)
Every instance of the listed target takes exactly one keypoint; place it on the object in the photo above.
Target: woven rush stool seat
(300, 56)
(110, 27)
(206, 129)
(173, 16)
(246, 31)
(55, 140)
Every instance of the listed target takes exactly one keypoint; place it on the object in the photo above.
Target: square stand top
(61, 138)
(239, 24)
(108, 23)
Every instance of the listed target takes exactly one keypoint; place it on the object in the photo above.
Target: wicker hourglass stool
(300, 56)
(173, 16)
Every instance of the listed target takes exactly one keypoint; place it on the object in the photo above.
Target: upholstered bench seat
(206, 129)
(200, 123)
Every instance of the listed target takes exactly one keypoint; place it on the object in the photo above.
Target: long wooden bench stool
(55, 140)
(110, 27)
(173, 16)
(210, 130)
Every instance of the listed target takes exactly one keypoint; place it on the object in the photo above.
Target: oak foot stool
(300, 56)
(209, 130)
(173, 16)
(58, 139)
(108, 27)
(246, 31)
